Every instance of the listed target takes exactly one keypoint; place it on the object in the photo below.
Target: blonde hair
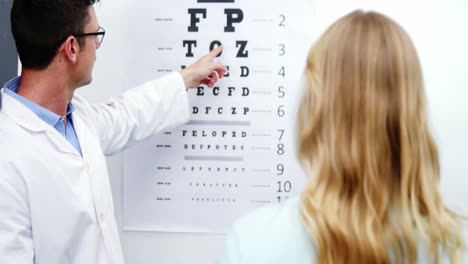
(364, 140)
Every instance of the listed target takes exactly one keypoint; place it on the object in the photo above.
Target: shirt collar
(51, 118)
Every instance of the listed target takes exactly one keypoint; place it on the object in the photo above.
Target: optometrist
(55, 198)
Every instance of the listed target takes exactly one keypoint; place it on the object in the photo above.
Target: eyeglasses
(99, 35)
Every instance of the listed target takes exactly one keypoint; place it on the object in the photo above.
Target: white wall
(439, 30)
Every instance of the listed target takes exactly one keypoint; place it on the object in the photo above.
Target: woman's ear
(70, 49)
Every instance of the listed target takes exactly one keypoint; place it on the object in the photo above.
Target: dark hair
(40, 26)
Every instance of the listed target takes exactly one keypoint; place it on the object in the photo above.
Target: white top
(276, 235)
(55, 206)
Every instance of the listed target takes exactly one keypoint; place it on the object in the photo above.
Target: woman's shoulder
(271, 234)
(276, 234)
(273, 213)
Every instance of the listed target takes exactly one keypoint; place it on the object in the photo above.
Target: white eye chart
(237, 152)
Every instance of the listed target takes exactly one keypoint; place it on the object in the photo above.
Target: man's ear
(70, 49)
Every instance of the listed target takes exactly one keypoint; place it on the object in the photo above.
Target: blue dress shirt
(56, 121)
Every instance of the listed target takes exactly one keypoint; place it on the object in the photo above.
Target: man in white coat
(55, 199)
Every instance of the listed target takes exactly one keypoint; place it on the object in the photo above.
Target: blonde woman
(364, 141)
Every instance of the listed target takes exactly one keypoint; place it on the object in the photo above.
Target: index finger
(214, 53)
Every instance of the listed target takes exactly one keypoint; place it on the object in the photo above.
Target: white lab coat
(56, 206)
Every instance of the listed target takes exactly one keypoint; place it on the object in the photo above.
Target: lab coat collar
(26, 119)
(51, 118)
(22, 115)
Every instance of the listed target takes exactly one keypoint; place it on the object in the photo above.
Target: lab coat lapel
(25, 118)
(61, 142)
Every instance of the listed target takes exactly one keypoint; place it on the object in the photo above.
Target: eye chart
(237, 153)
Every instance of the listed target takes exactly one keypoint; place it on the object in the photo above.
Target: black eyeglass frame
(98, 33)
